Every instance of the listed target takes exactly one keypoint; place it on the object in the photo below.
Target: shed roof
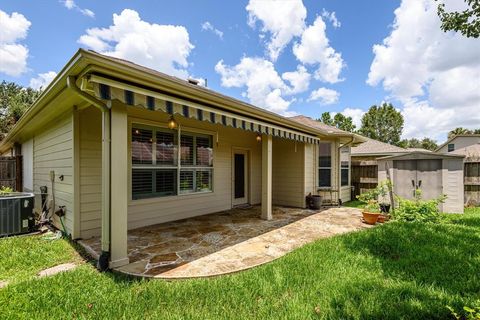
(421, 155)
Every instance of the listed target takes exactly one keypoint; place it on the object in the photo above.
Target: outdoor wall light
(259, 137)
(172, 124)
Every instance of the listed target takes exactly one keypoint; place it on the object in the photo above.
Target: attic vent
(193, 81)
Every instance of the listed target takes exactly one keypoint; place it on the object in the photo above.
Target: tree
(458, 131)
(429, 144)
(14, 101)
(425, 143)
(467, 21)
(382, 123)
(344, 123)
(476, 131)
(326, 118)
(339, 121)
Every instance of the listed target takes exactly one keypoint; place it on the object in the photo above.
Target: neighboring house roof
(326, 128)
(376, 148)
(86, 62)
(471, 152)
(455, 137)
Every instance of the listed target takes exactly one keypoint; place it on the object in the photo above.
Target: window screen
(324, 164)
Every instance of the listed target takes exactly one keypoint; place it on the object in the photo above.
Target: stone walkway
(227, 242)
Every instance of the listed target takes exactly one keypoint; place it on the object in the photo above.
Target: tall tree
(476, 131)
(467, 21)
(458, 131)
(429, 144)
(14, 101)
(383, 123)
(326, 118)
(344, 123)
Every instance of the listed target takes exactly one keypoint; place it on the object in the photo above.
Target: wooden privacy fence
(364, 176)
(11, 172)
(472, 183)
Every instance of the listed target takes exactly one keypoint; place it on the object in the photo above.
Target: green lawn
(397, 270)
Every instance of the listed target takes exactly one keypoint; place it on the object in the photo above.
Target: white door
(240, 177)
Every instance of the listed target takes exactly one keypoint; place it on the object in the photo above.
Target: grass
(397, 270)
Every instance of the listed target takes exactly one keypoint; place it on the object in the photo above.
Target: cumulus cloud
(161, 47)
(324, 96)
(264, 86)
(207, 26)
(356, 114)
(281, 21)
(70, 5)
(314, 49)
(331, 16)
(42, 80)
(434, 74)
(299, 80)
(13, 55)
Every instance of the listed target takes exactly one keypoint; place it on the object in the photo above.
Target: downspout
(104, 258)
(339, 180)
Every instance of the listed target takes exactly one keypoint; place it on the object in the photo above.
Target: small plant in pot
(371, 212)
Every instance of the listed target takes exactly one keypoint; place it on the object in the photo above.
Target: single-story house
(120, 146)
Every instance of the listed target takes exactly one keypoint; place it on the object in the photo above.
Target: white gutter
(106, 139)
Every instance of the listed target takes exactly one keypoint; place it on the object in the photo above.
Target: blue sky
(229, 42)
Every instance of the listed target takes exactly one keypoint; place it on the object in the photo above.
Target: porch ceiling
(228, 241)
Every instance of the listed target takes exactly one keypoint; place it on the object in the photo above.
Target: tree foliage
(14, 101)
(467, 22)
(339, 120)
(383, 123)
(459, 131)
(425, 143)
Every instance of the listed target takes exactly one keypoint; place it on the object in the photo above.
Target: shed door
(404, 177)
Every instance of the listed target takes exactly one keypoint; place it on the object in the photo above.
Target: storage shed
(433, 173)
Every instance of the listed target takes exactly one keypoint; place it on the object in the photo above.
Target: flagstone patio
(228, 241)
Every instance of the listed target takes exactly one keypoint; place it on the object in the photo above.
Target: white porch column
(267, 177)
(119, 186)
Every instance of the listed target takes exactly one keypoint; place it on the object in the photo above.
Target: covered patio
(226, 242)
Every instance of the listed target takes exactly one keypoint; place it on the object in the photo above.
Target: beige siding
(157, 210)
(53, 151)
(310, 171)
(460, 142)
(288, 173)
(90, 172)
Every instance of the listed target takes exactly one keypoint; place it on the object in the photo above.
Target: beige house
(120, 146)
(459, 142)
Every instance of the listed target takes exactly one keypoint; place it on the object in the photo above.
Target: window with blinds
(324, 164)
(344, 166)
(161, 168)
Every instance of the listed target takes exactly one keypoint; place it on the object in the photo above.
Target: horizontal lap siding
(288, 178)
(90, 172)
(157, 210)
(53, 151)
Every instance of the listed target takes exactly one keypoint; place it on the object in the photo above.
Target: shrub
(467, 313)
(418, 209)
(5, 190)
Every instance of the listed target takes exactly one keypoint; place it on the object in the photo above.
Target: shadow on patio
(227, 241)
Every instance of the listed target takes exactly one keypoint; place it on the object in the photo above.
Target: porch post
(119, 185)
(267, 177)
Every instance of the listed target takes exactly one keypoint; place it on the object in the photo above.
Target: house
(120, 146)
(459, 142)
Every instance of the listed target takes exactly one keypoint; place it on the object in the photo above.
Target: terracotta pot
(370, 218)
(381, 218)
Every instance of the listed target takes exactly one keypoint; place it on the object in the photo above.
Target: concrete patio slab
(228, 241)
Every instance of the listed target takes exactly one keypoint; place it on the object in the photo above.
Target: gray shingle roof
(318, 125)
(375, 147)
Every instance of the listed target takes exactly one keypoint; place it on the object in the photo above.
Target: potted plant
(371, 212)
(383, 189)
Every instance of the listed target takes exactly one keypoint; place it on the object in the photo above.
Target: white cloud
(356, 115)
(264, 86)
(299, 80)
(207, 26)
(434, 74)
(13, 56)
(281, 19)
(161, 47)
(42, 80)
(331, 16)
(314, 48)
(70, 4)
(324, 95)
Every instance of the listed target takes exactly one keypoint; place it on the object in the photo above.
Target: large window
(325, 164)
(160, 168)
(344, 166)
